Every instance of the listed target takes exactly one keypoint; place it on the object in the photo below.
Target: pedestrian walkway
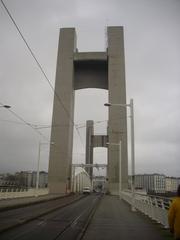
(115, 220)
(18, 202)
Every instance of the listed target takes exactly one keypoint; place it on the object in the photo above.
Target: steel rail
(84, 219)
(73, 229)
(48, 207)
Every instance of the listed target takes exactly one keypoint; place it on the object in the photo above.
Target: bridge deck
(115, 220)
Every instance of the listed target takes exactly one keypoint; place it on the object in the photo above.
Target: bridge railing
(152, 206)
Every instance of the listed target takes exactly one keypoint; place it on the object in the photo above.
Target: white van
(86, 190)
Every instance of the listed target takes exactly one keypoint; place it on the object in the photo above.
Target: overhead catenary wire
(10, 121)
(35, 126)
(26, 123)
(78, 125)
(41, 68)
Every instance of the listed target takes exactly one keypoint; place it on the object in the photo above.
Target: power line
(40, 67)
(78, 125)
(9, 121)
(25, 122)
(36, 126)
(28, 124)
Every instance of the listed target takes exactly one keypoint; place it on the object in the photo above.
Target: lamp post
(5, 106)
(120, 165)
(131, 106)
(72, 180)
(38, 164)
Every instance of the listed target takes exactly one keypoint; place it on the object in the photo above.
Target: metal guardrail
(22, 192)
(13, 189)
(154, 207)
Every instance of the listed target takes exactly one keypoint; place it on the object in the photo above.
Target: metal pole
(132, 152)
(37, 174)
(120, 173)
(82, 181)
(79, 183)
(73, 178)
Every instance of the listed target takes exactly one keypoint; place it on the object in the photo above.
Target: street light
(131, 106)
(5, 106)
(120, 165)
(38, 163)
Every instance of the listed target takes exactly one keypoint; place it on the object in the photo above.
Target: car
(86, 190)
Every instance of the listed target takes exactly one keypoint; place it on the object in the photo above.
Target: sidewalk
(19, 202)
(115, 220)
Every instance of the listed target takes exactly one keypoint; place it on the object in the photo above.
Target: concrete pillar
(83, 70)
(117, 129)
(63, 114)
(89, 147)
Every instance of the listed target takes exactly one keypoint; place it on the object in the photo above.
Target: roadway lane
(64, 223)
(17, 216)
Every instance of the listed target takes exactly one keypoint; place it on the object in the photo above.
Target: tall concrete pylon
(93, 141)
(78, 70)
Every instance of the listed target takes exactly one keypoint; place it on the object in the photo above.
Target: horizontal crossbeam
(89, 165)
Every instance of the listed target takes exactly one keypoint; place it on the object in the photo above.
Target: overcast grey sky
(152, 52)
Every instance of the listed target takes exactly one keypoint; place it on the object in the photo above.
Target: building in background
(156, 183)
(23, 179)
(43, 179)
(7, 180)
(172, 184)
(152, 183)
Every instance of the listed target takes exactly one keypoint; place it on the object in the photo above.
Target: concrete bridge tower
(78, 70)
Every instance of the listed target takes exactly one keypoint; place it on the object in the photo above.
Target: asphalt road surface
(65, 223)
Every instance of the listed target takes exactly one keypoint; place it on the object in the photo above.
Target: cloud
(152, 35)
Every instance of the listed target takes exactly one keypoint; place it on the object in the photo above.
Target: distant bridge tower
(93, 141)
(78, 70)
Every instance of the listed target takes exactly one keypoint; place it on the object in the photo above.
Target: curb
(19, 205)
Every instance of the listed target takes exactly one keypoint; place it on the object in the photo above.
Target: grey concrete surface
(117, 127)
(64, 223)
(59, 174)
(114, 220)
(23, 214)
(19, 202)
(75, 70)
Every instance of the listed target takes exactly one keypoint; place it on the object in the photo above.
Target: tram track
(14, 217)
(76, 229)
(67, 223)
